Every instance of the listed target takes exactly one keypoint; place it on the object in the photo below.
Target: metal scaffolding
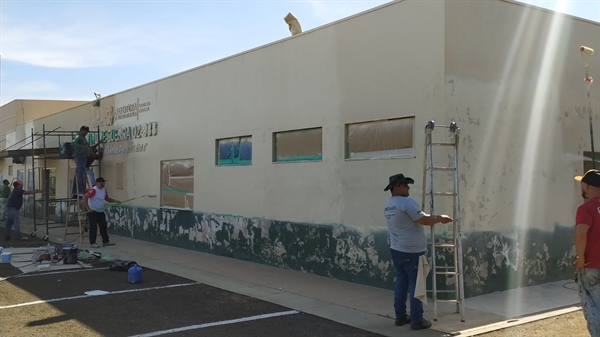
(43, 154)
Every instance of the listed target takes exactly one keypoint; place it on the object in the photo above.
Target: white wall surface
(514, 79)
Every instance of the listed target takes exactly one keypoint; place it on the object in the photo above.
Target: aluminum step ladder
(454, 243)
(76, 207)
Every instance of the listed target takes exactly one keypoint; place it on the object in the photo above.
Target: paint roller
(589, 51)
(112, 204)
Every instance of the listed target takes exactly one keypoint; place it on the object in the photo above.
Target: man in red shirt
(587, 243)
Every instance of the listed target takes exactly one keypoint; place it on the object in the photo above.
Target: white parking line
(207, 325)
(84, 296)
(30, 274)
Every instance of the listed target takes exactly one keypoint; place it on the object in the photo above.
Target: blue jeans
(407, 268)
(589, 293)
(80, 169)
(12, 221)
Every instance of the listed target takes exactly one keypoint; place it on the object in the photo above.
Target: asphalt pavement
(54, 303)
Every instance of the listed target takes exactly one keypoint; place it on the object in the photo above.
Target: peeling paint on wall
(493, 261)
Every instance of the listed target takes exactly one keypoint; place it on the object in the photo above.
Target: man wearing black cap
(94, 201)
(81, 152)
(587, 245)
(408, 243)
(13, 205)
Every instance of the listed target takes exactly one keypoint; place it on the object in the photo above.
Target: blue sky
(69, 49)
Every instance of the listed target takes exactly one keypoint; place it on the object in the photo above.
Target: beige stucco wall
(21, 111)
(514, 81)
(372, 67)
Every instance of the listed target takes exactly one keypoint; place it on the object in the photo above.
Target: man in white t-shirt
(408, 242)
(94, 201)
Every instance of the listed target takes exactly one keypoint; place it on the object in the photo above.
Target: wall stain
(493, 261)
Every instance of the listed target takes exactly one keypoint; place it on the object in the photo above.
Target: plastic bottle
(135, 274)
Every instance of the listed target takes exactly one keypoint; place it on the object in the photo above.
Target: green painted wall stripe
(170, 190)
(315, 157)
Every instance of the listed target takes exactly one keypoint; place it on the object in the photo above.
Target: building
(280, 154)
(22, 113)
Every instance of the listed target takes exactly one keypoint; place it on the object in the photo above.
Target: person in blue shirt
(13, 205)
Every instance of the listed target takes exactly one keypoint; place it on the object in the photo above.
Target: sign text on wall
(131, 110)
(125, 149)
(129, 132)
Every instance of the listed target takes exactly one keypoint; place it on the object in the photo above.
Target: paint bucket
(6, 257)
(71, 252)
(135, 274)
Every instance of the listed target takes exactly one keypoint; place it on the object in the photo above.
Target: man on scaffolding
(82, 151)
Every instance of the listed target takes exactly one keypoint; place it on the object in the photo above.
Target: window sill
(229, 165)
(297, 161)
(403, 156)
(176, 208)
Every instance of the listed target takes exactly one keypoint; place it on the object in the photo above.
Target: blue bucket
(6, 257)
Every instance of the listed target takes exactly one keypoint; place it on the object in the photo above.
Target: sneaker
(108, 244)
(424, 324)
(94, 245)
(402, 320)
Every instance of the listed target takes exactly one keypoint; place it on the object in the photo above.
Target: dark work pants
(98, 219)
(407, 267)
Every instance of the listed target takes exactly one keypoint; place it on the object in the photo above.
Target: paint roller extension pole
(128, 200)
(589, 51)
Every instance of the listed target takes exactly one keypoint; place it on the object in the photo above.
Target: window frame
(302, 159)
(234, 161)
(408, 153)
(187, 193)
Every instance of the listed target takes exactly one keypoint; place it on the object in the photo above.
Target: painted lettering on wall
(125, 149)
(91, 138)
(129, 132)
(131, 110)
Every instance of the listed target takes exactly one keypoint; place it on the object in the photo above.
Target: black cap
(591, 177)
(86, 128)
(398, 179)
(100, 180)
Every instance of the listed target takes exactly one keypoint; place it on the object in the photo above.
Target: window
(120, 181)
(298, 145)
(10, 170)
(21, 175)
(177, 184)
(380, 139)
(234, 151)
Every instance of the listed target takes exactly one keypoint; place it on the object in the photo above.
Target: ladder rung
(441, 168)
(442, 291)
(443, 144)
(445, 245)
(447, 194)
(445, 126)
(449, 301)
(446, 273)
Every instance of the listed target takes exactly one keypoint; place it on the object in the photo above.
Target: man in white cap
(408, 243)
